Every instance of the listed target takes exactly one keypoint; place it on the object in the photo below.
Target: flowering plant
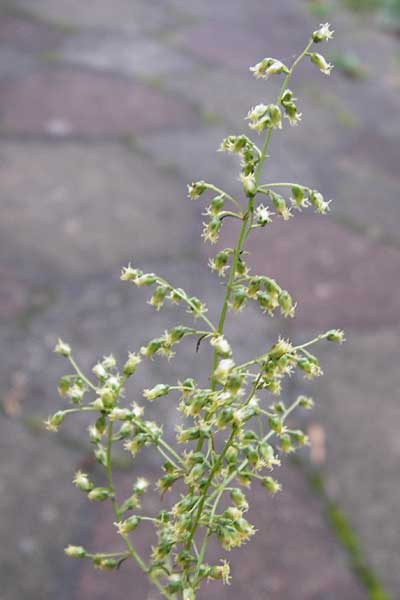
(225, 439)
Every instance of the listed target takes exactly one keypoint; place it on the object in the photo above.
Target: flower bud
(128, 525)
(221, 346)
(280, 206)
(82, 481)
(271, 485)
(221, 572)
(100, 372)
(75, 551)
(286, 304)
(231, 455)
(238, 297)
(130, 366)
(141, 485)
(223, 370)
(335, 335)
(156, 392)
(249, 184)
(196, 189)
(62, 348)
(305, 402)
(146, 279)
(323, 34)
(268, 67)
(321, 63)
(157, 299)
(54, 421)
(239, 499)
(99, 494)
(216, 205)
(130, 274)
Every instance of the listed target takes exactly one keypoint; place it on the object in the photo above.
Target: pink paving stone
(75, 103)
(294, 556)
(27, 35)
(238, 47)
(337, 276)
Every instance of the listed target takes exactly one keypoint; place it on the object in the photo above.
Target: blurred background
(107, 110)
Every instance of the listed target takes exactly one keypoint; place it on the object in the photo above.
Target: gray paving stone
(339, 278)
(129, 55)
(68, 103)
(39, 508)
(120, 15)
(82, 209)
(358, 409)
(193, 154)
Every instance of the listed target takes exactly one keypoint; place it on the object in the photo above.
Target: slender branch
(132, 551)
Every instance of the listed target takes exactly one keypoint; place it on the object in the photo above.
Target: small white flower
(263, 215)
(223, 369)
(323, 34)
(221, 345)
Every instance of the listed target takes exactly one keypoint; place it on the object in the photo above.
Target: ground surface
(107, 110)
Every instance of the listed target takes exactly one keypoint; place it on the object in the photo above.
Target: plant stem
(132, 551)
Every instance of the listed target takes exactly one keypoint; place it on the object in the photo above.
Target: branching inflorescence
(233, 413)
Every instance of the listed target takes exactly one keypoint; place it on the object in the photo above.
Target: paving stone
(293, 556)
(358, 411)
(104, 200)
(129, 55)
(338, 277)
(192, 153)
(121, 15)
(40, 511)
(72, 103)
(27, 35)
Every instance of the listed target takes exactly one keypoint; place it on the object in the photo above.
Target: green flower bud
(216, 205)
(130, 366)
(128, 525)
(99, 494)
(249, 184)
(323, 34)
(75, 551)
(174, 584)
(286, 304)
(271, 485)
(335, 335)
(238, 297)
(54, 421)
(130, 274)
(157, 299)
(275, 424)
(146, 279)
(82, 481)
(231, 455)
(286, 443)
(321, 63)
(280, 206)
(196, 189)
(156, 392)
(305, 402)
(239, 499)
(62, 348)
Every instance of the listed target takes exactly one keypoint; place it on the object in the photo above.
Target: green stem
(132, 551)
(81, 375)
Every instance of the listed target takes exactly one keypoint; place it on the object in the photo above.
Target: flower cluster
(235, 431)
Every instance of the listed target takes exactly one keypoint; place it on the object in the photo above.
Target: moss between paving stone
(345, 535)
